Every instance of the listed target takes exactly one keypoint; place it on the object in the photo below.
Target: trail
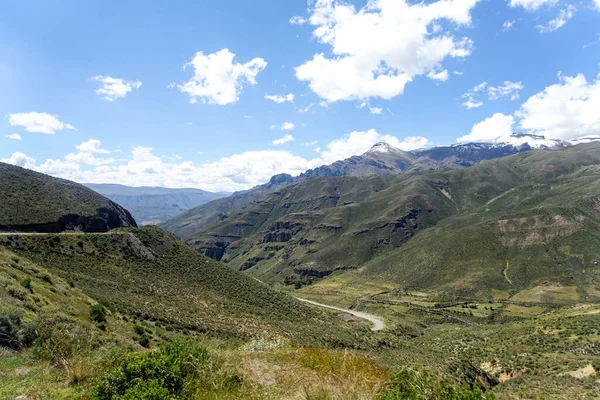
(377, 321)
(57, 233)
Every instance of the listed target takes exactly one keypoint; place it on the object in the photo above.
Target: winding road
(377, 321)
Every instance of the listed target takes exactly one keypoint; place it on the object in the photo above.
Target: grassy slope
(460, 246)
(154, 276)
(28, 197)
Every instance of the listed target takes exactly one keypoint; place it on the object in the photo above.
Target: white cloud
(566, 110)
(283, 140)
(217, 79)
(439, 76)
(280, 99)
(507, 25)
(237, 172)
(378, 49)
(297, 20)
(310, 144)
(14, 136)
(92, 146)
(496, 128)
(115, 88)
(38, 122)
(87, 158)
(357, 143)
(532, 5)
(561, 19)
(508, 89)
(286, 126)
(376, 110)
(597, 3)
(306, 109)
(20, 160)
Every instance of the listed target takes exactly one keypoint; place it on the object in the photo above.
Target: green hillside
(154, 276)
(30, 201)
(530, 218)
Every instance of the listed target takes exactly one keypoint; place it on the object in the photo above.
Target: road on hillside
(377, 321)
(56, 233)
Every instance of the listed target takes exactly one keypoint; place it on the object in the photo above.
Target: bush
(17, 292)
(26, 283)
(98, 313)
(596, 365)
(175, 371)
(416, 384)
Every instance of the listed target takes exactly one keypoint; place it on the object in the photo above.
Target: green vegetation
(524, 226)
(423, 385)
(153, 277)
(175, 371)
(29, 199)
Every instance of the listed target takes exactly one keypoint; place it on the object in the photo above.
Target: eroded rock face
(281, 232)
(105, 220)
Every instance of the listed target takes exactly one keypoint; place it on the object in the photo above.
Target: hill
(154, 276)
(513, 224)
(153, 205)
(381, 159)
(34, 202)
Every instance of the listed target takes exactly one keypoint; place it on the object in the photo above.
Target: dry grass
(314, 374)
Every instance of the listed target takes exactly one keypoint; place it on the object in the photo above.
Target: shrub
(17, 292)
(26, 283)
(144, 341)
(98, 313)
(596, 365)
(175, 371)
(417, 384)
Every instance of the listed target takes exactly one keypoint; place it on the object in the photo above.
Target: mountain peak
(381, 147)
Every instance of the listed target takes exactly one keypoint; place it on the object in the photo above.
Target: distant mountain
(153, 205)
(34, 202)
(524, 225)
(381, 159)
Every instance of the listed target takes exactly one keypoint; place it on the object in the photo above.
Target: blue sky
(358, 74)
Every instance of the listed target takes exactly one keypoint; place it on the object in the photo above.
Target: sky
(223, 95)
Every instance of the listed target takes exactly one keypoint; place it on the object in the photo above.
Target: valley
(472, 282)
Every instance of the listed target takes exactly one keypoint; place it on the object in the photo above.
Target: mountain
(381, 159)
(153, 205)
(34, 202)
(510, 224)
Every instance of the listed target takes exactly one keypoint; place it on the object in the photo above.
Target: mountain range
(509, 224)
(153, 205)
(381, 159)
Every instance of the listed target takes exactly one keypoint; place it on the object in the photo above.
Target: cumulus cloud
(38, 122)
(115, 88)
(532, 5)
(561, 19)
(357, 143)
(217, 79)
(283, 140)
(92, 146)
(142, 167)
(286, 126)
(380, 48)
(495, 128)
(280, 99)
(20, 159)
(508, 89)
(13, 136)
(439, 76)
(566, 110)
